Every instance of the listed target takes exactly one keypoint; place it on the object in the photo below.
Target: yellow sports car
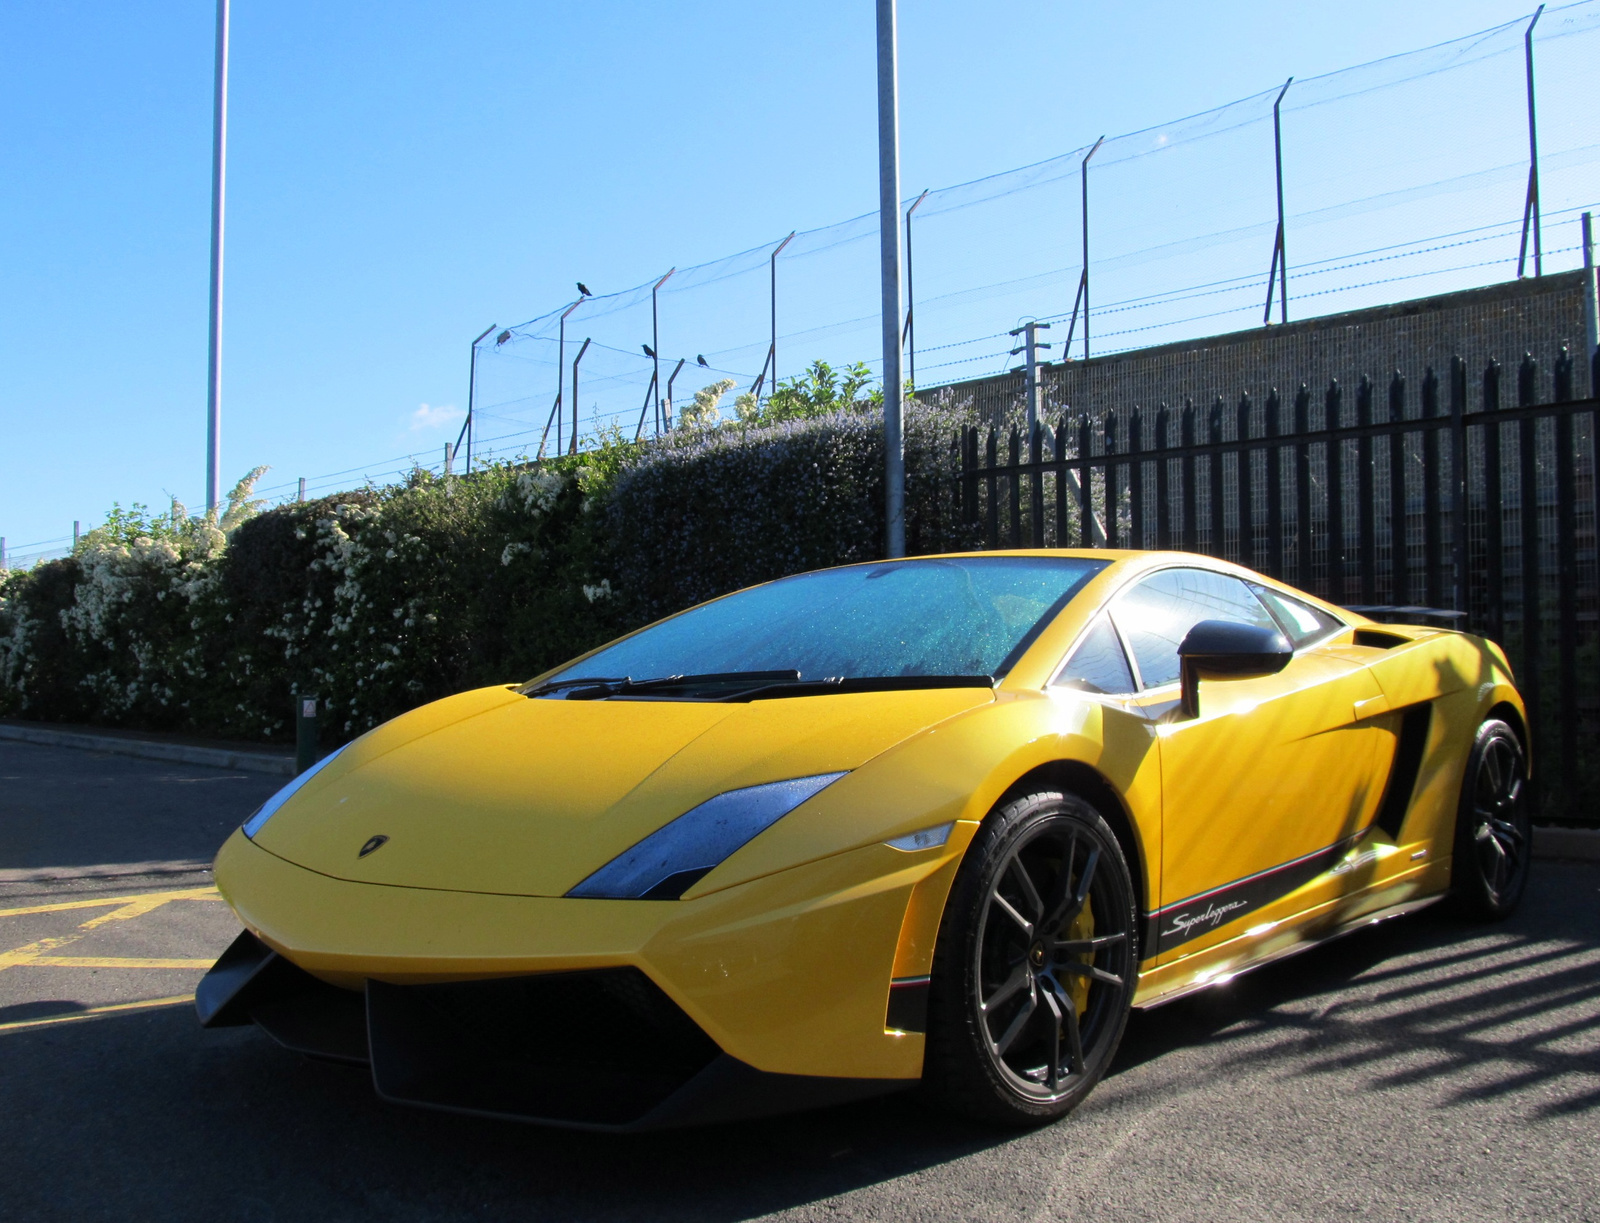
(938, 821)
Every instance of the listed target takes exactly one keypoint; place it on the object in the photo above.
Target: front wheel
(1494, 833)
(1036, 964)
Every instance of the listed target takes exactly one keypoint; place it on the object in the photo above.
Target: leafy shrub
(384, 598)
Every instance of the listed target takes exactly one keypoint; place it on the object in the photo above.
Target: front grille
(601, 1047)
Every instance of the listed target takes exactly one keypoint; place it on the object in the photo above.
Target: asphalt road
(1423, 1070)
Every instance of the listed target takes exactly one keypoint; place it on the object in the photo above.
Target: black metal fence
(1474, 493)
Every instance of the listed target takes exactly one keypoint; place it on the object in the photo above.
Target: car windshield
(966, 616)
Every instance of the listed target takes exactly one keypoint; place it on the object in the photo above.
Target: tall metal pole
(219, 176)
(772, 352)
(894, 474)
(1084, 175)
(472, 386)
(910, 337)
(573, 449)
(655, 344)
(1281, 255)
(670, 381)
(561, 368)
(1530, 207)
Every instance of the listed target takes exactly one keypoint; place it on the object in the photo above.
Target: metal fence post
(1274, 456)
(1528, 514)
(1462, 600)
(1399, 554)
(1591, 308)
(305, 733)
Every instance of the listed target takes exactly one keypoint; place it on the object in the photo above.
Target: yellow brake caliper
(1077, 984)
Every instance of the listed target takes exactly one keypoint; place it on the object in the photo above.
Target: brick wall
(1502, 321)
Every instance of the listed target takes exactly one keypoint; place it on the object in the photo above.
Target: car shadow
(1434, 988)
(146, 1111)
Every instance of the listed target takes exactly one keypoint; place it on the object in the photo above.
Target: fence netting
(1403, 177)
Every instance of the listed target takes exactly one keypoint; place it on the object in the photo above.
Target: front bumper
(783, 984)
(603, 1049)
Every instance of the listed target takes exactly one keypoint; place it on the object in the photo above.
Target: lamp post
(219, 174)
(894, 473)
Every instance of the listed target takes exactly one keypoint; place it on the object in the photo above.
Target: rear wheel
(1493, 841)
(1035, 966)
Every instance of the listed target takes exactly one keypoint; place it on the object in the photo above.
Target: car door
(1269, 784)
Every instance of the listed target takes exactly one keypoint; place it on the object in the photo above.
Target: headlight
(267, 809)
(667, 862)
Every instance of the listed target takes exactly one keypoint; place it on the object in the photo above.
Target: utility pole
(77, 533)
(1280, 256)
(910, 337)
(219, 175)
(302, 494)
(1530, 207)
(894, 474)
(1030, 345)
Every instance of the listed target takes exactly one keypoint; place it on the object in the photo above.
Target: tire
(1494, 835)
(1022, 1022)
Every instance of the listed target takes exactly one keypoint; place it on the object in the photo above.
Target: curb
(1568, 844)
(144, 749)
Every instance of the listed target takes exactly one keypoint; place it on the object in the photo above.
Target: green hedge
(384, 598)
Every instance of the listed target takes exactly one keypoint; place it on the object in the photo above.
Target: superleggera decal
(1210, 917)
(1196, 915)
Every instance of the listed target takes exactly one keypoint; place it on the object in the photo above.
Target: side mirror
(1221, 647)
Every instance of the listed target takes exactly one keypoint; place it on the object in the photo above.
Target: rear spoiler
(1433, 617)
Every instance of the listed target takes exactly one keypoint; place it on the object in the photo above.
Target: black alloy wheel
(1036, 964)
(1494, 833)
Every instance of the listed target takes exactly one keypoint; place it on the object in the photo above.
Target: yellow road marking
(96, 1011)
(85, 961)
(105, 902)
(122, 908)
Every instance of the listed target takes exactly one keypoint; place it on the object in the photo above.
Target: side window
(1098, 664)
(1300, 622)
(1158, 613)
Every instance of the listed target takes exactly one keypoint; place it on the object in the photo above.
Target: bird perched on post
(584, 289)
(703, 361)
(648, 351)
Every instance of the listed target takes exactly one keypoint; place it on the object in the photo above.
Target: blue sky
(403, 174)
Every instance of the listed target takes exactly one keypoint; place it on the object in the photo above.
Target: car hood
(490, 791)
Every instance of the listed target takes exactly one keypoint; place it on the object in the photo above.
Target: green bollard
(305, 733)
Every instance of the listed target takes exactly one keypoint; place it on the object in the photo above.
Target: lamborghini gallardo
(936, 823)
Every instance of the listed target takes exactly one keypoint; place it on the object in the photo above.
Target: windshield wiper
(736, 686)
(841, 684)
(590, 688)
